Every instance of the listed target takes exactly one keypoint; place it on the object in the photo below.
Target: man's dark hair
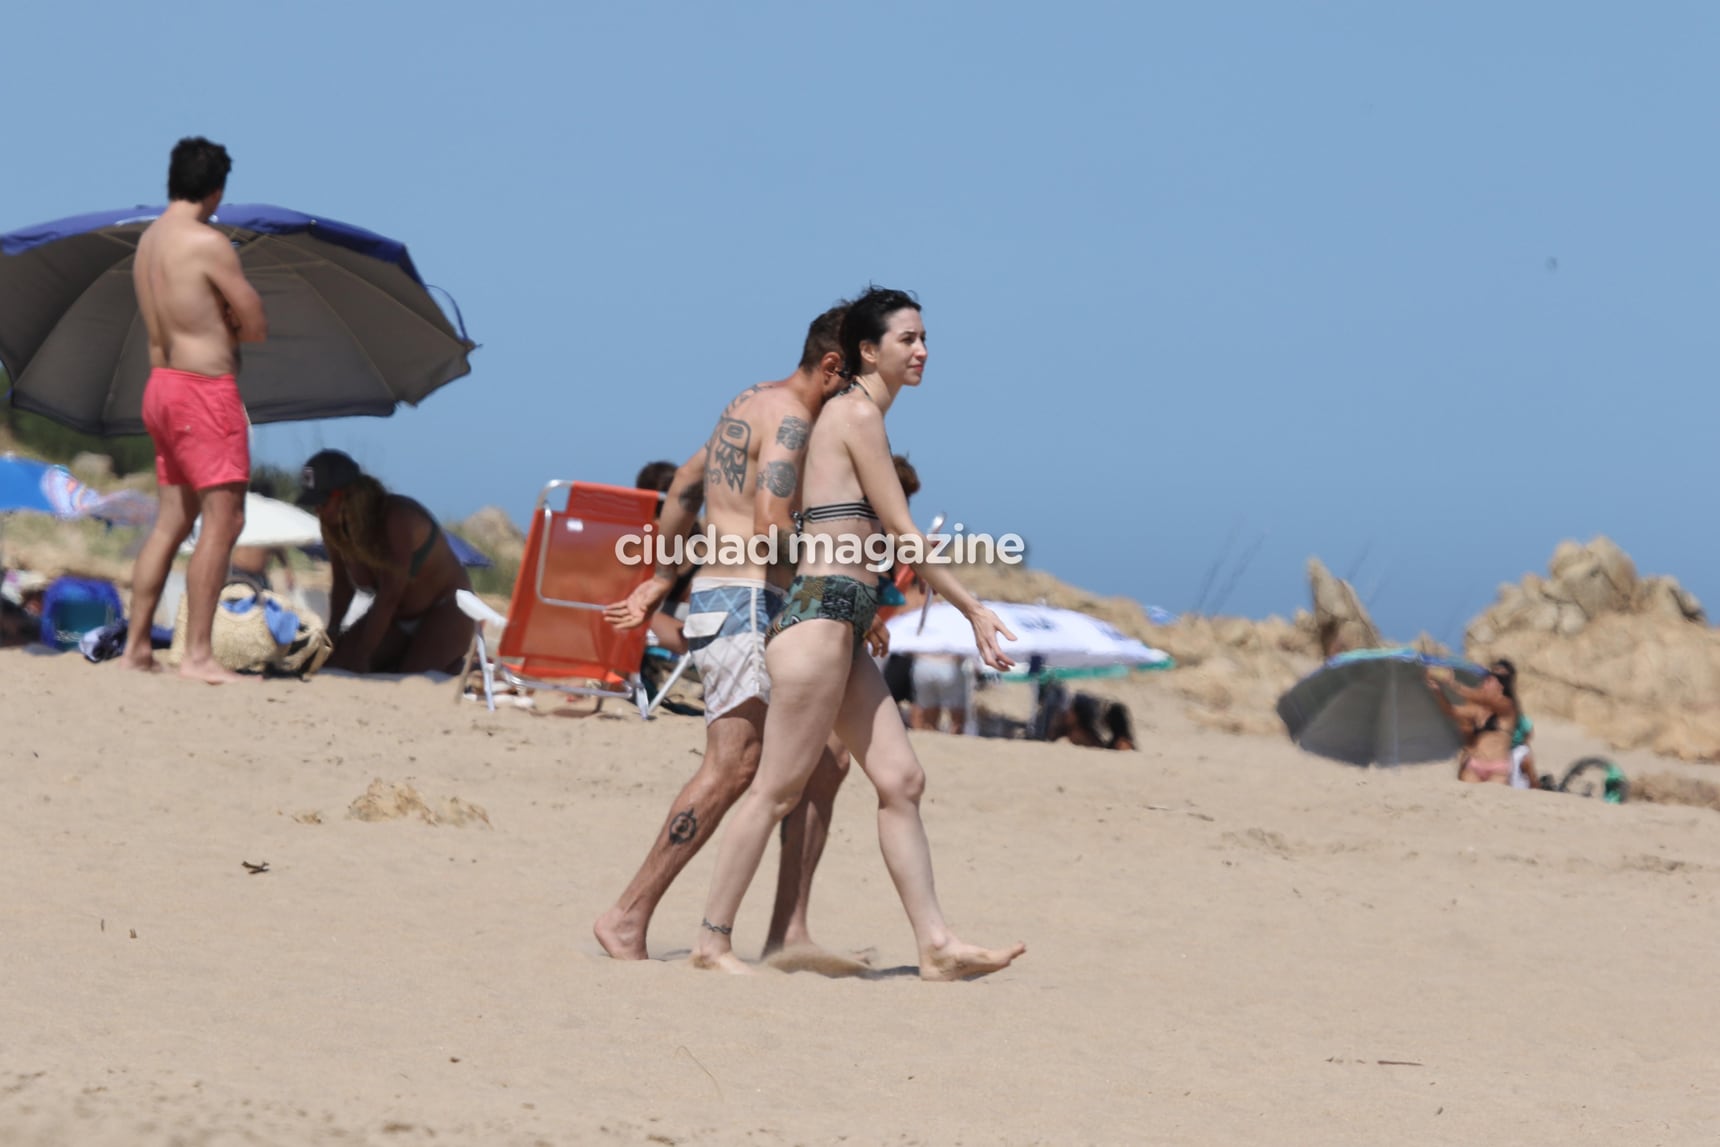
(907, 475)
(823, 336)
(198, 169)
(658, 476)
(867, 319)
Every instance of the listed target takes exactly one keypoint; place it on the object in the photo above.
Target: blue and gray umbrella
(352, 327)
(28, 486)
(1373, 706)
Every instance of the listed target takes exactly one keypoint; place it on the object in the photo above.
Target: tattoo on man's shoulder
(792, 433)
(692, 497)
(740, 398)
(730, 447)
(779, 478)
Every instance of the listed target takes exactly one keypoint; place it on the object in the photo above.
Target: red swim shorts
(202, 436)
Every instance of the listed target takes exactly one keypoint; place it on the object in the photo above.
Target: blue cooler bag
(73, 606)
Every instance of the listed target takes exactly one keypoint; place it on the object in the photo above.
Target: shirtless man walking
(198, 308)
(748, 477)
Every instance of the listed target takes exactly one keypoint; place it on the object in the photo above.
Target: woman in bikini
(391, 546)
(1486, 715)
(821, 675)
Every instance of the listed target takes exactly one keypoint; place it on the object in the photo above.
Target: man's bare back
(193, 295)
(760, 416)
(197, 306)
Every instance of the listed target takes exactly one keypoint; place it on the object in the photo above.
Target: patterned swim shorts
(726, 622)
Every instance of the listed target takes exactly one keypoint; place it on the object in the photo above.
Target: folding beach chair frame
(478, 653)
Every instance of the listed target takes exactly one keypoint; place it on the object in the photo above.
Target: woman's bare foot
(959, 961)
(620, 937)
(143, 664)
(721, 962)
(210, 672)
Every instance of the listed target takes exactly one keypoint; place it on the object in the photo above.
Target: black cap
(326, 472)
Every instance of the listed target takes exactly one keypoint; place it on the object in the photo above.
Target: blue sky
(1420, 289)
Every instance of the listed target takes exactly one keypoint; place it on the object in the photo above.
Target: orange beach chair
(555, 636)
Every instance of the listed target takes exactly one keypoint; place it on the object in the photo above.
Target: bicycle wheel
(1594, 777)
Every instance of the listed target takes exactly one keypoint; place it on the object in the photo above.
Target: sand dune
(1229, 942)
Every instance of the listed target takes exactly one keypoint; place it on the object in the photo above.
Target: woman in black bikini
(822, 677)
(391, 546)
(1486, 715)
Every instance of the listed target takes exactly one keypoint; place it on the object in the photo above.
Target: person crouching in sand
(393, 547)
(821, 675)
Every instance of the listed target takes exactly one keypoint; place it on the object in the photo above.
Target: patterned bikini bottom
(833, 598)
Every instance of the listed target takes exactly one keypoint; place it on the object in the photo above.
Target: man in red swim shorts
(198, 307)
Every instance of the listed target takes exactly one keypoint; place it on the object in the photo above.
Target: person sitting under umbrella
(393, 547)
(250, 565)
(1487, 716)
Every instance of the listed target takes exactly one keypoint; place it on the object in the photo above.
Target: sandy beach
(1229, 941)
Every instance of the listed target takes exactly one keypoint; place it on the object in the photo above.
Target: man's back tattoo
(730, 446)
(792, 433)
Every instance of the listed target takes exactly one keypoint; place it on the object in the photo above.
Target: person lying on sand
(821, 675)
(393, 547)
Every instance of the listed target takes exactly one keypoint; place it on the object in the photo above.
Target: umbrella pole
(1395, 721)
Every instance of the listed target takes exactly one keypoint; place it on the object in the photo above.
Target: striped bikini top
(836, 512)
(839, 511)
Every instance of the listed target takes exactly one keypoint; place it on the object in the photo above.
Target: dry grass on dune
(1671, 788)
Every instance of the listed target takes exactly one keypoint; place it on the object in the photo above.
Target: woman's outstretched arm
(869, 451)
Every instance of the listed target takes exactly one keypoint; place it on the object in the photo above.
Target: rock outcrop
(1629, 658)
(1233, 670)
(1340, 620)
(493, 532)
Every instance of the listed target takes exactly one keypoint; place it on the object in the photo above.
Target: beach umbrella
(29, 486)
(1065, 638)
(352, 327)
(470, 556)
(1373, 706)
(270, 524)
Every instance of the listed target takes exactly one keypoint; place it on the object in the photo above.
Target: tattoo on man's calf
(684, 827)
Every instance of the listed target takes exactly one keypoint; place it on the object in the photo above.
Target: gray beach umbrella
(352, 327)
(1372, 706)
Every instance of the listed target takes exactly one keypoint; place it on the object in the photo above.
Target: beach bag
(72, 606)
(260, 632)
